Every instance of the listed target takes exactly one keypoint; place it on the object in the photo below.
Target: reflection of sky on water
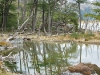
(89, 54)
(92, 55)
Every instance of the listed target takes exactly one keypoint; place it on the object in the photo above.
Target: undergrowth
(82, 35)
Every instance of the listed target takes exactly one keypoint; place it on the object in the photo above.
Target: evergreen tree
(96, 11)
(7, 14)
(95, 14)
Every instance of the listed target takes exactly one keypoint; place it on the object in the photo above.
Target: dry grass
(6, 73)
(50, 38)
(3, 43)
(73, 36)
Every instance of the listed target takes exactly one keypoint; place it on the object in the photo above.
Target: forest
(48, 16)
(49, 37)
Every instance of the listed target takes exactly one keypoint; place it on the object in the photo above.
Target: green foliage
(89, 15)
(68, 15)
(88, 35)
(10, 14)
(41, 5)
(96, 11)
(80, 35)
(12, 66)
(64, 17)
(80, 1)
(75, 35)
(96, 3)
(12, 21)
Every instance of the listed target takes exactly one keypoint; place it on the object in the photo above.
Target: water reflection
(51, 58)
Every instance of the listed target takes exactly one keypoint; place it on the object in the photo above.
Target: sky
(94, 0)
(87, 0)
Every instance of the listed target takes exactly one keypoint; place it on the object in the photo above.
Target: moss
(97, 70)
(4, 43)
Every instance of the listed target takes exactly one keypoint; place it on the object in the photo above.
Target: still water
(50, 58)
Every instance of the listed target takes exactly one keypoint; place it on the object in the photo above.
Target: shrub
(76, 35)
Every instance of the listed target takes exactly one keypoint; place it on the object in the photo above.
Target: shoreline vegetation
(91, 38)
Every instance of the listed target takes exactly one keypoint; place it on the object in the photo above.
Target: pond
(50, 58)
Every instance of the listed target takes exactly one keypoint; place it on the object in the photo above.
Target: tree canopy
(42, 14)
(8, 18)
(95, 11)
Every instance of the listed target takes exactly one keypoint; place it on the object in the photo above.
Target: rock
(10, 39)
(85, 69)
(80, 68)
(27, 39)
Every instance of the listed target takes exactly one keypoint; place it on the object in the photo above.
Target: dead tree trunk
(24, 23)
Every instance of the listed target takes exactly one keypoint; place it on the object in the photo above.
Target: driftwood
(8, 58)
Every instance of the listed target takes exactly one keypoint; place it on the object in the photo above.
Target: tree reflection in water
(47, 58)
(51, 58)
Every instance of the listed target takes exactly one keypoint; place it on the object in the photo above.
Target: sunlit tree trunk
(34, 15)
(49, 19)
(43, 17)
(86, 24)
(79, 2)
(2, 19)
(18, 13)
(79, 15)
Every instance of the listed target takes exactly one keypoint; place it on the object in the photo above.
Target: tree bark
(49, 19)
(79, 15)
(34, 15)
